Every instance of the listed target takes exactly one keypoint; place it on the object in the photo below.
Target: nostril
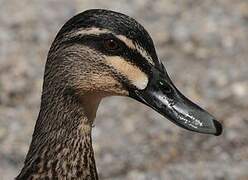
(165, 87)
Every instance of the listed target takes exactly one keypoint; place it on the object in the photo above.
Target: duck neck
(61, 146)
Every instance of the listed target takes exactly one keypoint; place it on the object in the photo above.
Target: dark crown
(115, 22)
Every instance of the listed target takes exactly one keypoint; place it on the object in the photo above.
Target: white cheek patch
(137, 77)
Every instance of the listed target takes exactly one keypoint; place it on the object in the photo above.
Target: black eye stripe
(96, 42)
(111, 44)
(82, 39)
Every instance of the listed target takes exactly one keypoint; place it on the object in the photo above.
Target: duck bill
(161, 95)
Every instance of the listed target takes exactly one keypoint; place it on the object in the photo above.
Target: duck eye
(111, 44)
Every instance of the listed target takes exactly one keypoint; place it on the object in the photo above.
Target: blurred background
(204, 46)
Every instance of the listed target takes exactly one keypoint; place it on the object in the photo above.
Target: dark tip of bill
(218, 127)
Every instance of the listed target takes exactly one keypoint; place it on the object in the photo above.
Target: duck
(96, 54)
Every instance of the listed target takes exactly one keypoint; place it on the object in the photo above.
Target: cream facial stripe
(137, 77)
(96, 31)
(135, 46)
(144, 54)
(129, 43)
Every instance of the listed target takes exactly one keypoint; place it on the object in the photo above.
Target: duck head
(109, 53)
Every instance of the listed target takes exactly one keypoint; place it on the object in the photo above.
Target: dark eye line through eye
(111, 45)
(96, 41)
(106, 38)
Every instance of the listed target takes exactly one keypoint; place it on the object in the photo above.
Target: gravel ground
(203, 44)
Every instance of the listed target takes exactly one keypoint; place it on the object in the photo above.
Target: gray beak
(161, 95)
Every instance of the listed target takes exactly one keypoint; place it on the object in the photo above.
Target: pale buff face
(119, 64)
(133, 73)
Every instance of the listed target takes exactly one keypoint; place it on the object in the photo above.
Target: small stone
(240, 89)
